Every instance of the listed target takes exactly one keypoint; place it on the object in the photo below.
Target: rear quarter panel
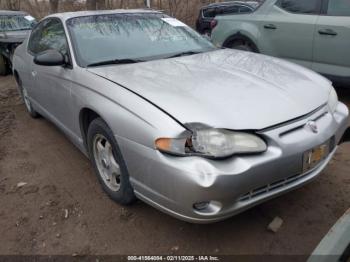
(247, 25)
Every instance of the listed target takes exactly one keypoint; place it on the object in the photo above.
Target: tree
(91, 4)
(53, 6)
(101, 4)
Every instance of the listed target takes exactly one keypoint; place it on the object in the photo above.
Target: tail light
(213, 23)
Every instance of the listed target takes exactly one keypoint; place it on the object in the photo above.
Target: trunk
(91, 4)
(53, 6)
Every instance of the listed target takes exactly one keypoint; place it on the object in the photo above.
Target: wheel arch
(239, 35)
(86, 116)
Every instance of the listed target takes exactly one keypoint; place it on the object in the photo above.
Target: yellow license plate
(314, 156)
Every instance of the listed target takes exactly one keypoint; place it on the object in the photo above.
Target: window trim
(319, 8)
(70, 61)
(252, 9)
(324, 10)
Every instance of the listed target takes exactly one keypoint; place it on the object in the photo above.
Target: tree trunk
(91, 4)
(53, 6)
(101, 4)
(13, 4)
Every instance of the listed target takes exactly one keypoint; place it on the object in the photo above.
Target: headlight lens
(333, 100)
(213, 143)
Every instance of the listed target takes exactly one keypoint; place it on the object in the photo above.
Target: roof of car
(8, 12)
(68, 15)
(248, 3)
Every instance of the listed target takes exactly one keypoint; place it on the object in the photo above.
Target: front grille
(270, 187)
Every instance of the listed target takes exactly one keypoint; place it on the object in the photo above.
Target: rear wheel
(108, 163)
(3, 66)
(28, 104)
(25, 97)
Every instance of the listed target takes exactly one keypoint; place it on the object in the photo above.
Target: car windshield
(132, 38)
(16, 22)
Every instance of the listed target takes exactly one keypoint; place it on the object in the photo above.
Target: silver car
(197, 132)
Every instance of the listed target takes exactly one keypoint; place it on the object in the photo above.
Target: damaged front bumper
(201, 190)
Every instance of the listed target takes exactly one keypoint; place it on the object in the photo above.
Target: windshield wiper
(185, 54)
(116, 62)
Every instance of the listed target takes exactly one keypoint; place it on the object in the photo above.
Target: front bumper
(175, 184)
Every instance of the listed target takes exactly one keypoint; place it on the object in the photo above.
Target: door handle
(270, 26)
(327, 32)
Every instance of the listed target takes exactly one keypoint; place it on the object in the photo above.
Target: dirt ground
(62, 210)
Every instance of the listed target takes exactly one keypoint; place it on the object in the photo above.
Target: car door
(332, 39)
(287, 30)
(52, 84)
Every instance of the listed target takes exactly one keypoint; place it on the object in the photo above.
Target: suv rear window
(300, 6)
(209, 12)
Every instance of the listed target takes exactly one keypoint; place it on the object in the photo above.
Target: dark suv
(14, 28)
(209, 12)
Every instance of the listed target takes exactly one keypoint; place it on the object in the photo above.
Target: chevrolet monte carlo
(198, 132)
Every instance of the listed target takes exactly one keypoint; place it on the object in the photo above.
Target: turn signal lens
(170, 145)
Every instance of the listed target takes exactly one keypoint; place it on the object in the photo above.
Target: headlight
(213, 143)
(332, 100)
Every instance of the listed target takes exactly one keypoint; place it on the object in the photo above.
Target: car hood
(225, 88)
(14, 36)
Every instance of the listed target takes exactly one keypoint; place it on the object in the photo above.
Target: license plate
(314, 156)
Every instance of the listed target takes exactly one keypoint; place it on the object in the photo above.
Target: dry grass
(185, 10)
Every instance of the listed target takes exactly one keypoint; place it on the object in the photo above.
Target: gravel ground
(62, 210)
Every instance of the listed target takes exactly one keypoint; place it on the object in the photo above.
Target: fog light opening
(207, 208)
(200, 206)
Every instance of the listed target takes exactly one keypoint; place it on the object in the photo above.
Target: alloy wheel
(107, 166)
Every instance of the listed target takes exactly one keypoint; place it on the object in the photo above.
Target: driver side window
(49, 34)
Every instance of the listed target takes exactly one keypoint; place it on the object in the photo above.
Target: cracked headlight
(213, 143)
(333, 100)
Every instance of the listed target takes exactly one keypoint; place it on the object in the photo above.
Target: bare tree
(12, 4)
(53, 6)
(101, 4)
(91, 4)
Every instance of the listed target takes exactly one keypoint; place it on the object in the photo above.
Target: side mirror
(50, 58)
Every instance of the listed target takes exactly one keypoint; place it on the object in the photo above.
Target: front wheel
(108, 163)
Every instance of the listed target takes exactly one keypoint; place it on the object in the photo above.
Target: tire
(106, 157)
(243, 44)
(3, 66)
(26, 100)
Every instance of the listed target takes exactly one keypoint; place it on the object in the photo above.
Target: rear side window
(338, 8)
(244, 9)
(300, 6)
(229, 10)
(49, 34)
(209, 12)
